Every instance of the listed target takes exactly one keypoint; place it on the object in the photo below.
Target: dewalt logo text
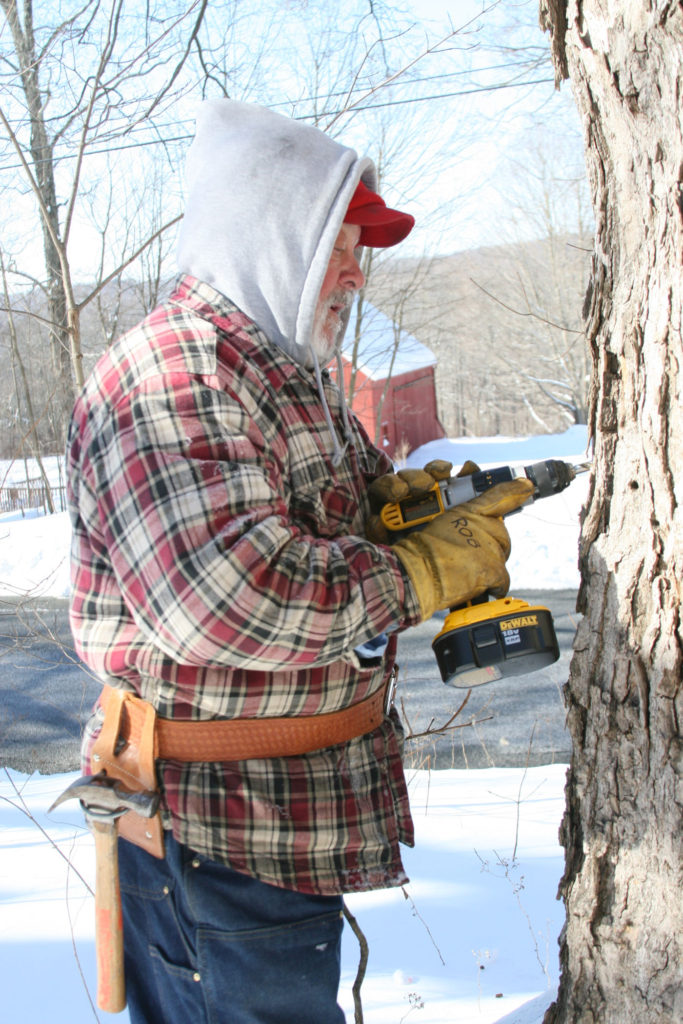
(523, 620)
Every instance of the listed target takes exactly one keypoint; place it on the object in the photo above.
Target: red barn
(394, 388)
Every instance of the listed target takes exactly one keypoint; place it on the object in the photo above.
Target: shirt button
(196, 862)
(196, 976)
(165, 890)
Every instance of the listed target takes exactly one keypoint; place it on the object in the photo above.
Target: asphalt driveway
(46, 695)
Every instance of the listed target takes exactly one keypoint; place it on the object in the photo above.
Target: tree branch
(181, 62)
(362, 963)
(131, 259)
(528, 313)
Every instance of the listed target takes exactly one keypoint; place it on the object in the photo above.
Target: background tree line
(506, 333)
(96, 114)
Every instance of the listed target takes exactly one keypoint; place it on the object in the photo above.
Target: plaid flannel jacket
(219, 570)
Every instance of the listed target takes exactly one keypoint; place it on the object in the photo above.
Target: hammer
(103, 800)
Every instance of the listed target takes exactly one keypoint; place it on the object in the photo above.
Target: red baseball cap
(380, 225)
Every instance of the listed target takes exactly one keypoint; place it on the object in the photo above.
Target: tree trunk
(40, 148)
(620, 950)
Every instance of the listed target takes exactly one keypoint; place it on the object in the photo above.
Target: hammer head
(101, 796)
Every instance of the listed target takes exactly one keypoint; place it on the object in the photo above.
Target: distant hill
(504, 324)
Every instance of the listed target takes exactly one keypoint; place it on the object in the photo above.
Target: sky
(471, 939)
(487, 144)
(461, 158)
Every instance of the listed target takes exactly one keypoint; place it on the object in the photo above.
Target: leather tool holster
(132, 761)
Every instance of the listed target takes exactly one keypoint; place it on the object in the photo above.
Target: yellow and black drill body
(487, 640)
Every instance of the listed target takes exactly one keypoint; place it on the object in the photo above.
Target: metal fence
(33, 494)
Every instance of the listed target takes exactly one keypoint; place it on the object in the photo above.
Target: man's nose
(351, 276)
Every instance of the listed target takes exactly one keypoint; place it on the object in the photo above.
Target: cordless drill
(486, 639)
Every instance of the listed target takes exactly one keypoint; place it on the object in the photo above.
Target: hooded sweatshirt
(266, 199)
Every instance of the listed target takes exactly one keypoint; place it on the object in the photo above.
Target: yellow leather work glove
(462, 553)
(395, 487)
(468, 468)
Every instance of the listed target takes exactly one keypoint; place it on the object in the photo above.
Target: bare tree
(505, 319)
(94, 88)
(621, 948)
(78, 79)
(539, 338)
(22, 393)
(537, 297)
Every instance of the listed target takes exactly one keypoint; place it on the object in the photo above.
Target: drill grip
(548, 477)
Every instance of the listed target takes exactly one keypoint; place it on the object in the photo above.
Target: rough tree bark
(620, 950)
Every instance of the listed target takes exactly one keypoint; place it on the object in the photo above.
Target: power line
(352, 108)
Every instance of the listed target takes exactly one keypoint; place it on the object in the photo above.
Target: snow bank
(472, 938)
(34, 552)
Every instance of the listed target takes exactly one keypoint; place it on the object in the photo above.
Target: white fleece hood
(266, 199)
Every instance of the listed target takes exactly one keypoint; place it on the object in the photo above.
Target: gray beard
(325, 341)
(327, 335)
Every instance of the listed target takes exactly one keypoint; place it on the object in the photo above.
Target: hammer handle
(111, 989)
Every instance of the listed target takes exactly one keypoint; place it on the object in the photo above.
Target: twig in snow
(362, 964)
(22, 807)
(73, 942)
(420, 918)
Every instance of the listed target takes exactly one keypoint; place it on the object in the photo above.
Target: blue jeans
(207, 945)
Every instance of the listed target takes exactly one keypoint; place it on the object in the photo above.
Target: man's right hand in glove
(461, 553)
(396, 486)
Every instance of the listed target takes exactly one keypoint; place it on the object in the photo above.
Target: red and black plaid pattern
(219, 569)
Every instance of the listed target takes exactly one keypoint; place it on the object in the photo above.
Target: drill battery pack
(484, 642)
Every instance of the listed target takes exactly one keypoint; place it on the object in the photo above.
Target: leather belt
(240, 739)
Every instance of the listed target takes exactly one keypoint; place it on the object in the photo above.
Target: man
(222, 573)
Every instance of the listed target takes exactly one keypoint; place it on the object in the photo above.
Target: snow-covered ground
(34, 551)
(472, 939)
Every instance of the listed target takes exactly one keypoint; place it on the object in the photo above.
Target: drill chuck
(550, 477)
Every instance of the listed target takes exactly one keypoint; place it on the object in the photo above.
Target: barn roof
(377, 345)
